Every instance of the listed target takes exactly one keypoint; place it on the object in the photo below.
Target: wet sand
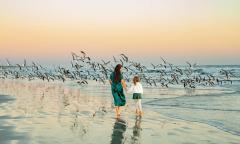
(39, 112)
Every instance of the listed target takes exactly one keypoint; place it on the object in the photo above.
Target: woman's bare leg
(118, 111)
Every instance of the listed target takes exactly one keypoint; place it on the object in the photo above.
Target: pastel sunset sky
(202, 31)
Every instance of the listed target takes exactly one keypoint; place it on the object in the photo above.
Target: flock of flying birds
(83, 69)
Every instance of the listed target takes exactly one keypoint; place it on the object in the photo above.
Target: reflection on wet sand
(41, 112)
(7, 132)
(53, 111)
(119, 129)
(136, 138)
(78, 127)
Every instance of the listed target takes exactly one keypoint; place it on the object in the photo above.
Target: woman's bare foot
(118, 115)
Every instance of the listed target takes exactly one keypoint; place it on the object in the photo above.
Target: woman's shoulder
(111, 75)
(121, 76)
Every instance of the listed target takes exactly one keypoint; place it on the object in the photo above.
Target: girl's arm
(141, 89)
(130, 90)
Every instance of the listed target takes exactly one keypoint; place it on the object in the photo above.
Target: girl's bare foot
(137, 112)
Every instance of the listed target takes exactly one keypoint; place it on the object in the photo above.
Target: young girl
(137, 91)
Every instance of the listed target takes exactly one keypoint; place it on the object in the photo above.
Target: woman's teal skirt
(118, 95)
(137, 96)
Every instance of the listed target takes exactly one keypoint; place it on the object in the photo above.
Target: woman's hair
(136, 79)
(117, 72)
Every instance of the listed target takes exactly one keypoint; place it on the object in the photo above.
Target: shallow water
(39, 112)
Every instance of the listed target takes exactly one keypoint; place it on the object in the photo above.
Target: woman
(117, 84)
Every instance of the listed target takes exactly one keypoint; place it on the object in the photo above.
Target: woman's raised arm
(124, 84)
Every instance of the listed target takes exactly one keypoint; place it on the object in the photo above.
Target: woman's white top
(135, 88)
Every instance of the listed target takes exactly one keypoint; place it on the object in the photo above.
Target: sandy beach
(37, 112)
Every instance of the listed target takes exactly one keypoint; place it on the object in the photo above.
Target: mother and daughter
(118, 84)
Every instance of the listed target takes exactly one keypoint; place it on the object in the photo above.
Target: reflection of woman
(137, 130)
(118, 131)
(117, 84)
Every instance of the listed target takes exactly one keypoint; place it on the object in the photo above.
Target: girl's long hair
(117, 72)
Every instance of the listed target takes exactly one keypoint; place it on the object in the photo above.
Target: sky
(201, 31)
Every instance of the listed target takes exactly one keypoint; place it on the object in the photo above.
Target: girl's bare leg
(140, 107)
(136, 103)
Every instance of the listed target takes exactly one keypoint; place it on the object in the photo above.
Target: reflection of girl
(137, 130)
(118, 131)
(117, 84)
